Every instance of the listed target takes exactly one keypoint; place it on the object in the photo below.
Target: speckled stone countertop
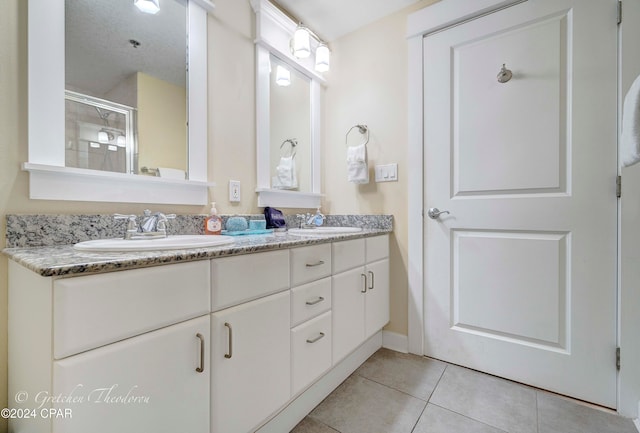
(64, 260)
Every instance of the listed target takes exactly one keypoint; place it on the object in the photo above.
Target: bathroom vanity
(233, 339)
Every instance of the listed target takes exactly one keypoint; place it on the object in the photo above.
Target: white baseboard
(395, 341)
(300, 407)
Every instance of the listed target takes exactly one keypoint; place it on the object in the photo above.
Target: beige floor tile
(360, 405)
(310, 425)
(438, 420)
(559, 415)
(415, 375)
(493, 401)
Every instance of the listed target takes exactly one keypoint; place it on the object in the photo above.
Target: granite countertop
(64, 260)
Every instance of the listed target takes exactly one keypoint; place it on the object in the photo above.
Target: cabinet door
(348, 294)
(148, 383)
(377, 299)
(250, 363)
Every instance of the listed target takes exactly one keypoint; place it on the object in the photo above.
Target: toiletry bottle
(213, 223)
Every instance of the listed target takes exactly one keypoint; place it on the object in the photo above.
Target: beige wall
(367, 84)
(162, 123)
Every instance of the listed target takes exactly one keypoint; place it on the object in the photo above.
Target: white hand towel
(286, 174)
(357, 170)
(630, 139)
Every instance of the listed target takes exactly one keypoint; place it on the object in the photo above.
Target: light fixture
(322, 58)
(148, 6)
(103, 137)
(283, 76)
(301, 43)
(121, 141)
(301, 48)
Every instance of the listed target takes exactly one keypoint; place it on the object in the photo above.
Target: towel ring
(363, 130)
(293, 142)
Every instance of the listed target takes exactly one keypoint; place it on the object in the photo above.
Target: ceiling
(331, 19)
(99, 54)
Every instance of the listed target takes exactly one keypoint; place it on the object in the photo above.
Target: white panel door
(520, 276)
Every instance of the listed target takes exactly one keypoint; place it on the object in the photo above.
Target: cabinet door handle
(372, 280)
(201, 368)
(314, 339)
(364, 283)
(318, 263)
(230, 354)
(314, 302)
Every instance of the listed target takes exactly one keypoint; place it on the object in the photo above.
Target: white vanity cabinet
(360, 292)
(249, 363)
(120, 351)
(250, 346)
(236, 344)
(155, 382)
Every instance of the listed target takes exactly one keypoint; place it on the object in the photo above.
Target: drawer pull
(230, 354)
(201, 368)
(372, 280)
(314, 302)
(364, 284)
(318, 263)
(313, 340)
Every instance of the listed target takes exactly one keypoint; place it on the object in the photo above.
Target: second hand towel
(357, 169)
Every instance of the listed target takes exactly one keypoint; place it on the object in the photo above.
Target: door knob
(434, 213)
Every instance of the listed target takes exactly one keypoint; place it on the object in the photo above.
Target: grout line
(438, 382)
(323, 423)
(419, 417)
(469, 418)
(391, 387)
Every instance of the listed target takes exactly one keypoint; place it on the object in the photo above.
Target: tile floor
(398, 393)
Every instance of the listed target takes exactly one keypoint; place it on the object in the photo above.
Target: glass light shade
(301, 43)
(103, 137)
(283, 76)
(121, 141)
(148, 6)
(322, 58)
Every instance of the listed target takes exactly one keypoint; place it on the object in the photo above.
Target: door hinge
(618, 186)
(618, 358)
(619, 11)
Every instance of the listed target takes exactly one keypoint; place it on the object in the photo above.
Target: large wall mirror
(126, 87)
(117, 101)
(288, 95)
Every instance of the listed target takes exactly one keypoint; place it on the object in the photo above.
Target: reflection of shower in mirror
(100, 134)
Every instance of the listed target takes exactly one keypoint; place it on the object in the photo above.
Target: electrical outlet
(234, 190)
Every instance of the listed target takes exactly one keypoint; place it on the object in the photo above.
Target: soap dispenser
(318, 218)
(213, 223)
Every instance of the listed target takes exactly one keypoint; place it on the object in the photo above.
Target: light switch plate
(387, 173)
(234, 190)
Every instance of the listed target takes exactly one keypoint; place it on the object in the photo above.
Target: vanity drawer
(377, 248)
(347, 255)
(310, 263)
(310, 351)
(242, 278)
(309, 300)
(95, 310)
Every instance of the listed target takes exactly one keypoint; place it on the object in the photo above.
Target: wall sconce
(283, 76)
(148, 6)
(121, 141)
(301, 47)
(105, 136)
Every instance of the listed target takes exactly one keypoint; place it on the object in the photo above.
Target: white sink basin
(177, 242)
(324, 231)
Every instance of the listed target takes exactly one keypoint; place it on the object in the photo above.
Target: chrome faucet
(305, 221)
(152, 225)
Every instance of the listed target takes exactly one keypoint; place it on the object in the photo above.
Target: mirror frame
(273, 31)
(49, 179)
